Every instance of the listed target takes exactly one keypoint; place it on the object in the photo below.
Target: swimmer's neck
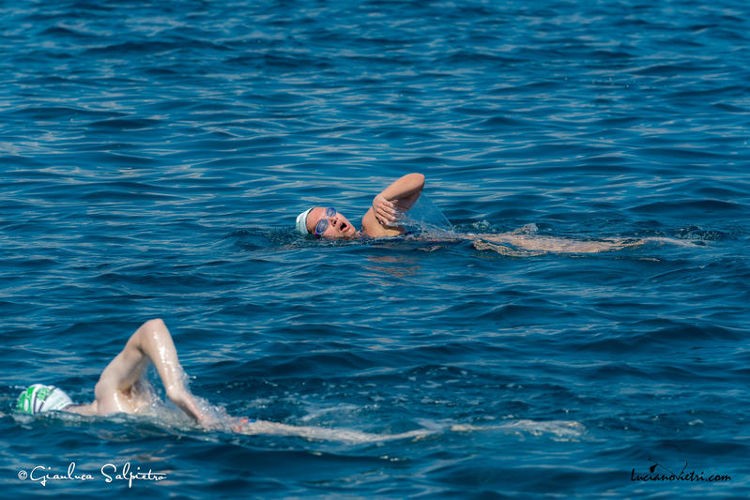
(89, 409)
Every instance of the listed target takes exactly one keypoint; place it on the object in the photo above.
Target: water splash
(425, 216)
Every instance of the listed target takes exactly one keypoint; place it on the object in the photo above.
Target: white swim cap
(302, 222)
(40, 398)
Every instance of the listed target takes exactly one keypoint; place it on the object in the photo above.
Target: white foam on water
(349, 436)
(559, 430)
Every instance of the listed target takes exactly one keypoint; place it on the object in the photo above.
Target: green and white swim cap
(40, 398)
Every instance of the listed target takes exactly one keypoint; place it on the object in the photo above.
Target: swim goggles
(323, 223)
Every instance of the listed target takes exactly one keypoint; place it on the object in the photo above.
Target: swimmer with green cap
(40, 398)
(121, 387)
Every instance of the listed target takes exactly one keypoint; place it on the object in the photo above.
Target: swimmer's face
(335, 226)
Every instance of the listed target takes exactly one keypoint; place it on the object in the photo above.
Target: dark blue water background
(153, 156)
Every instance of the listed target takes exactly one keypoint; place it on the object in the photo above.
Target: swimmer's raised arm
(400, 195)
(153, 343)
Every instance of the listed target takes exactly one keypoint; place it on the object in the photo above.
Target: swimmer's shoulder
(373, 229)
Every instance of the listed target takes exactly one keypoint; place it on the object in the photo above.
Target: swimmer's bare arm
(151, 342)
(400, 195)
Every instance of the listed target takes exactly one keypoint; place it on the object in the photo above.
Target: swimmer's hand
(183, 399)
(210, 423)
(240, 425)
(385, 211)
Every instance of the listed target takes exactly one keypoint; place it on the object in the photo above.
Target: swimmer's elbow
(410, 185)
(417, 179)
(153, 325)
(157, 322)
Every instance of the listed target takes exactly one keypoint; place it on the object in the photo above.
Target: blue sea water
(154, 155)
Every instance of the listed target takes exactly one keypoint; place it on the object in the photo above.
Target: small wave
(689, 205)
(125, 124)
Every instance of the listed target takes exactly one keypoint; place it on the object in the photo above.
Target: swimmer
(388, 207)
(380, 220)
(123, 389)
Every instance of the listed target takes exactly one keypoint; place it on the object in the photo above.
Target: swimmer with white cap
(380, 221)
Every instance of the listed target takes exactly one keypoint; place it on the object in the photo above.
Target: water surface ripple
(152, 160)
